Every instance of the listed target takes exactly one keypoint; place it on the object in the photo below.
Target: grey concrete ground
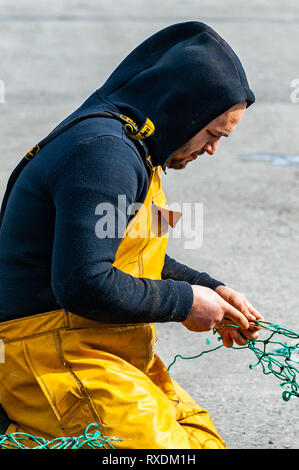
(54, 54)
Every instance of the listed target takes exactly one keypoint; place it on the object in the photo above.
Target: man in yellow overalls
(78, 308)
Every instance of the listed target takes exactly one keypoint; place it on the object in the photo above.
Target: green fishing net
(91, 438)
(273, 354)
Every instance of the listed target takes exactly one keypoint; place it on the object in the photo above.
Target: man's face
(207, 139)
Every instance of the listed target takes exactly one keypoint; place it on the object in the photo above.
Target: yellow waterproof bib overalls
(62, 371)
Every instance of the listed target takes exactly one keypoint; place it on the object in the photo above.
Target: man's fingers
(238, 338)
(248, 314)
(254, 326)
(253, 311)
(227, 340)
(237, 317)
(249, 334)
(229, 336)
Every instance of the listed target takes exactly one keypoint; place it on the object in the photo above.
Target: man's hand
(209, 309)
(238, 335)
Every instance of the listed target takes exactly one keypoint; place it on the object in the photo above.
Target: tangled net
(88, 439)
(279, 362)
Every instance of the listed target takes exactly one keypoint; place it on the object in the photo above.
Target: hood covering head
(181, 78)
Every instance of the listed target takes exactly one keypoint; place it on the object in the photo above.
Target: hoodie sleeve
(84, 279)
(180, 272)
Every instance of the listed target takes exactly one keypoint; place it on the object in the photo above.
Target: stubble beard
(178, 163)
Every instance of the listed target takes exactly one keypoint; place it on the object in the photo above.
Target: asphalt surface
(54, 54)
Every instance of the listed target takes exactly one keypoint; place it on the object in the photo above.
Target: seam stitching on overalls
(6, 341)
(71, 412)
(193, 413)
(82, 388)
(44, 388)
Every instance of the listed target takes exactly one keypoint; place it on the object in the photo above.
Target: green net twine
(280, 361)
(88, 439)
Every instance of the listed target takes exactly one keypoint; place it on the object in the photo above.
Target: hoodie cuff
(213, 283)
(184, 302)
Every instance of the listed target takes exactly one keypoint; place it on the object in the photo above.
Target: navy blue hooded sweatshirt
(182, 78)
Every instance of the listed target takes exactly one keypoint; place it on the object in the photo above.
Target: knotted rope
(280, 362)
(94, 440)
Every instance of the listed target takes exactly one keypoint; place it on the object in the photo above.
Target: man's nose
(211, 148)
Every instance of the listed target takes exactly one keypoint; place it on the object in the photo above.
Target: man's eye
(213, 135)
